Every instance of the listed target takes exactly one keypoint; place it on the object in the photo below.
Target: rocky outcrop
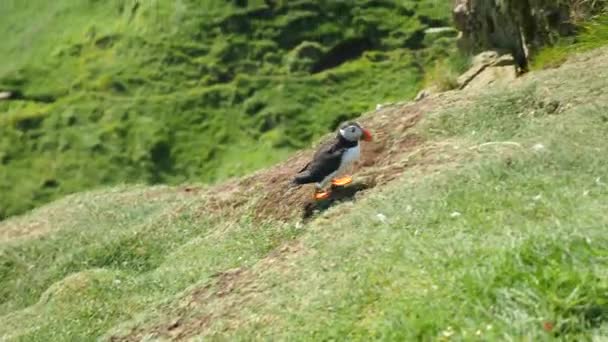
(513, 26)
(488, 68)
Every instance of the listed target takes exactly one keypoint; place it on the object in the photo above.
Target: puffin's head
(352, 131)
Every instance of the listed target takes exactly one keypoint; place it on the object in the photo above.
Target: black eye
(352, 130)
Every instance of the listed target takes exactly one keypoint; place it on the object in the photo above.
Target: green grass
(592, 34)
(170, 91)
(505, 239)
(444, 73)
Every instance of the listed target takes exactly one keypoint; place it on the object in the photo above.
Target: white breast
(350, 156)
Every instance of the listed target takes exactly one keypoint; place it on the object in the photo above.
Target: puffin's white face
(354, 132)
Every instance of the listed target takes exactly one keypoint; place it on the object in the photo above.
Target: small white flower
(381, 217)
(455, 214)
(537, 197)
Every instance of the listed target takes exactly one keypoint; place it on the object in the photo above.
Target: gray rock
(488, 67)
(492, 75)
(5, 95)
(466, 78)
(486, 58)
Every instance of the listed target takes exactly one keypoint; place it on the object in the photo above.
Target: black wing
(325, 161)
(304, 168)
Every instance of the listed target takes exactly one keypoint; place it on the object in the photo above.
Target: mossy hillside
(130, 91)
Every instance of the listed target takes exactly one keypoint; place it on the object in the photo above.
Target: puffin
(332, 159)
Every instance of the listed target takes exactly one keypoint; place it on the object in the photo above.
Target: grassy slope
(198, 90)
(501, 242)
(593, 34)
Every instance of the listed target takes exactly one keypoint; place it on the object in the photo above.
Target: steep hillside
(107, 92)
(475, 215)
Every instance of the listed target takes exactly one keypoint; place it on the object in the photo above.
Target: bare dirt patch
(381, 162)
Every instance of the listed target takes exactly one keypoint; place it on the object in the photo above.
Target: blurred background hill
(107, 92)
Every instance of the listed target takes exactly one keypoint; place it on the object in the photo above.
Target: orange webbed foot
(342, 181)
(321, 195)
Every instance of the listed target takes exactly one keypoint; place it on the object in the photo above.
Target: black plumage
(325, 161)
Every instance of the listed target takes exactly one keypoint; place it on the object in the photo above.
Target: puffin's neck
(343, 142)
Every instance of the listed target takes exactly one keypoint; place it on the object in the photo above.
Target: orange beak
(367, 136)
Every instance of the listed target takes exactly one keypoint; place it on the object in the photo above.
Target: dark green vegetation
(155, 91)
(507, 242)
